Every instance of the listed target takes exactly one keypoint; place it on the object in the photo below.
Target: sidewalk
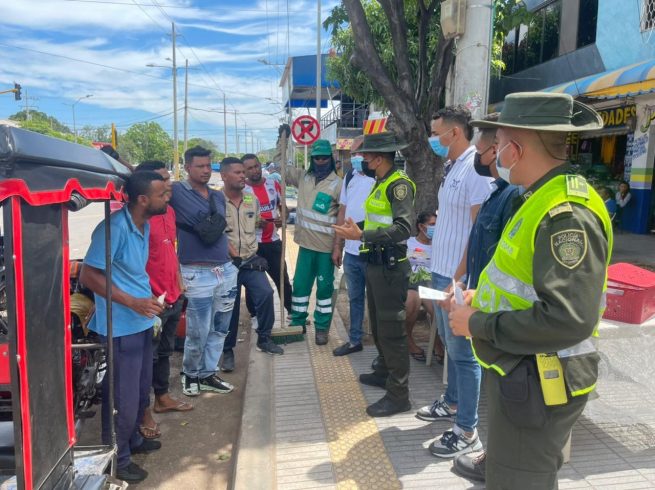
(305, 426)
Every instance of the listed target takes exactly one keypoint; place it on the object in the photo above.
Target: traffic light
(17, 88)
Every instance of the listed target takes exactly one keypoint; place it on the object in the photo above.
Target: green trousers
(312, 265)
(386, 295)
(525, 452)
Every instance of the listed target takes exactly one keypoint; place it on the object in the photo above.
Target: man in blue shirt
(208, 274)
(133, 313)
(494, 213)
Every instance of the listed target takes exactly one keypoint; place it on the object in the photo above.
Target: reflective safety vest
(507, 282)
(378, 207)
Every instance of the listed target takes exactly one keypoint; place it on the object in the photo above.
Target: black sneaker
(451, 444)
(347, 348)
(132, 473)
(147, 446)
(386, 407)
(190, 385)
(270, 347)
(372, 379)
(215, 384)
(471, 465)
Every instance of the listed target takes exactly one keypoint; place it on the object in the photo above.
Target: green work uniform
(526, 436)
(387, 286)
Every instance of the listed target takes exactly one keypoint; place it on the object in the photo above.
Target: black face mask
(367, 171)
(482, 170)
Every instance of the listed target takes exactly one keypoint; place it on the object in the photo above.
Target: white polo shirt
(462, 188)
(353, 198)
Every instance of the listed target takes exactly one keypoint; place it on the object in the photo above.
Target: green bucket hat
(321, 148)
(544, 111)
(381, 142)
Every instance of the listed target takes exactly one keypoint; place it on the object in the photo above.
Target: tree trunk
(424, 168)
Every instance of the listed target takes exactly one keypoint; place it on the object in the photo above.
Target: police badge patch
(400, 191)
(569, 247)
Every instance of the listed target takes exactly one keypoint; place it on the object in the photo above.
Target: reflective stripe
(587, 346)
(485, 365)
(321, 218)
(379, 218)
(324, 302)
(300, 309)
(510, 284)
(311, 226)
(300, 299)
(603, 301)
(322, 309)
(584, 391)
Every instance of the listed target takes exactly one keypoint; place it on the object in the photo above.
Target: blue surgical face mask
(504, 173)
(356, 162)
(429, 231)
(438, 149)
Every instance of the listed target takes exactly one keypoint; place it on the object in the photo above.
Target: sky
(63, 50)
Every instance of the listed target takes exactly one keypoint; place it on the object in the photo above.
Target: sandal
(419, 356)
(439, 358)
(180, 407)
(150, 432)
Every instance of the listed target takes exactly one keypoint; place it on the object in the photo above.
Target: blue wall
(618, 34)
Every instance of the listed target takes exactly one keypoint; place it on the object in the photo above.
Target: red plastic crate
(630, 294)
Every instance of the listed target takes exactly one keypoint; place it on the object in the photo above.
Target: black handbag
(210, 228)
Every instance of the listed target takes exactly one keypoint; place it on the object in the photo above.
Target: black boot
(471, 465)
(386, 406)
(372, 379)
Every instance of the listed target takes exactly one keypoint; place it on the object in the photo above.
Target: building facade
(602, 52)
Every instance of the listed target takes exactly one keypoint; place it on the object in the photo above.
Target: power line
(229, 9)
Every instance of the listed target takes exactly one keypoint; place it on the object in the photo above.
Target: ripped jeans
(211, 292)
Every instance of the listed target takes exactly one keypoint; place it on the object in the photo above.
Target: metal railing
(346, 115)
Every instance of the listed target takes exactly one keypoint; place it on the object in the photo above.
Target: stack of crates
(630, 294)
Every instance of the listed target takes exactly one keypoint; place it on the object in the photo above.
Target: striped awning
(628, 81)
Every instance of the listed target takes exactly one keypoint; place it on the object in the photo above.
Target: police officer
(534, 316)
(389, 212)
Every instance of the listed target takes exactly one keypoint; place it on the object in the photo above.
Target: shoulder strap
(349, 177)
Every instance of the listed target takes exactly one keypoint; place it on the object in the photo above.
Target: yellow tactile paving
(357, 452)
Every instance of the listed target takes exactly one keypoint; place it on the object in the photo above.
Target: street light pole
(224, 125)
(176, 156)
(73, 107)
(319, 62)
(186, 103)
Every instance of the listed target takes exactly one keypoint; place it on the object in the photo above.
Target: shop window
(535, 43)
(587, 21)
(647, 15)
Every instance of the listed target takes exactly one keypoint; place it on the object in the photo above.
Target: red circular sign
(305, 130)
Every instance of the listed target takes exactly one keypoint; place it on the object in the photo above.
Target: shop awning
(627, 81)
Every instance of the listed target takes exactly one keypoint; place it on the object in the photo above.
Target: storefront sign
(618, 116)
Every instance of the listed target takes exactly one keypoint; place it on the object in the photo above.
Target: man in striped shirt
(460, 196)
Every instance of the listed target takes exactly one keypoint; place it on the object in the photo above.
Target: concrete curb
(255, 464)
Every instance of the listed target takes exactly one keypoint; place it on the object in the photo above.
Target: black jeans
(272, 252)
(163, 345)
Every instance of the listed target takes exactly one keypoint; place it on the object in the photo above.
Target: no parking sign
(305, 130)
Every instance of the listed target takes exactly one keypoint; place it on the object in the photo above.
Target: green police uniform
(541, 297)
(389, 212)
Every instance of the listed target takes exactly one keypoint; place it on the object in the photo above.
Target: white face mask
(504, 173)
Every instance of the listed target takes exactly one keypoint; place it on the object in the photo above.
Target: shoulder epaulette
(577, 186)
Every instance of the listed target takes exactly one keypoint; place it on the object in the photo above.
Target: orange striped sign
(374, 126)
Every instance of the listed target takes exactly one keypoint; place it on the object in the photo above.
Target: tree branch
(440, 68)
(395, 13)
(422, 81)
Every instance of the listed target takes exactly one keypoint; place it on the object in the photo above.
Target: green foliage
(210, 145)
(41, 117)
(507, 15)
(96, 133)
(146, 141)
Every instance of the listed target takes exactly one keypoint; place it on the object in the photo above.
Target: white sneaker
(439, 410)
(451, 444)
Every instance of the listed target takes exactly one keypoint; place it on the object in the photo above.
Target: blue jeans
(260, 292)
(464, 372)
(355, 270)
(211, 292)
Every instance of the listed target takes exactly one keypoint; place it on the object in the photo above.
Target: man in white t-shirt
(460, 196)
(354, 191)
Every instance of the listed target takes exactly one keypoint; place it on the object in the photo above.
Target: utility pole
(176, 150)
(319, 61)
(236, 130)
(245, 138)
(186, 103)
(471, 84)
(224, 125)
(27, 106)
(252, 143)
